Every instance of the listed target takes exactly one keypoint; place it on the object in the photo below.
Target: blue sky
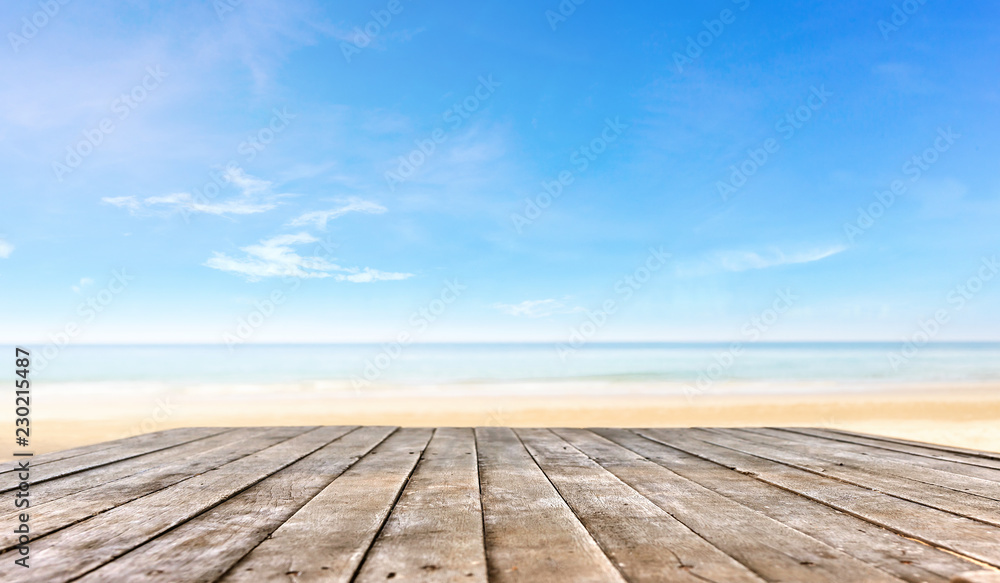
(170, 167)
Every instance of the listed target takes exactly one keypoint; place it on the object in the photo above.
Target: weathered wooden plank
(942, 529)
(905, 558)
(951, 449)
(916, 453)
(970, 479)
(881, 476)
(205, 547)
(81, 548)
(531, 534)
(49, 491)
(54, 456)
(153, 439)
(771, 549)
(89, 458)
(643, 540)
(328, 537)
(435, 530)
(95, 494)
(981, 576)
(198, 508)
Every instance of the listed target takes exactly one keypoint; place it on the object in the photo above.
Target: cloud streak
(276, 257)
(256, 196)
(5, 249)
(740, 261)
(537, 308)
(319, 219)
(747, 260)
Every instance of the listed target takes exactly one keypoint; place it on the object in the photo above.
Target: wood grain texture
(771, 549)
(905, 558)
(53, 466)
(644, 541)
(81, 548)
(148, 464)
(969, 479)
(957, 463)
(942, 529)
(885, 476)
(949, 449)
(152, 439)
(206, 546)
(531, 533)
(373, 504)
(977, 577)
(435, 530)
(338, 525)
(66, 501)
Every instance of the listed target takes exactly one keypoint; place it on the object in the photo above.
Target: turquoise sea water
(791, 365)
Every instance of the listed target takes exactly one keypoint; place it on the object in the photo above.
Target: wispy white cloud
(84, 282)
(183, 201)
(250, 185)
(368, 275)
(352, 204)
(275, 257)
(256, 196)
(126, 202)
(538, 308)
(738, 261)
(746, 260)
(5, 249)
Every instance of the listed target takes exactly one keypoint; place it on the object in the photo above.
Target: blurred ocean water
(794, 367)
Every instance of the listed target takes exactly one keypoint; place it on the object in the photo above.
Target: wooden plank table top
(296, 504)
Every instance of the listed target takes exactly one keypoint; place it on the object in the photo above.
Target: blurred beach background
(215, 213)
(945, 393)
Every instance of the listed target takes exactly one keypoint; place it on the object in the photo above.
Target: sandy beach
(962, 416)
